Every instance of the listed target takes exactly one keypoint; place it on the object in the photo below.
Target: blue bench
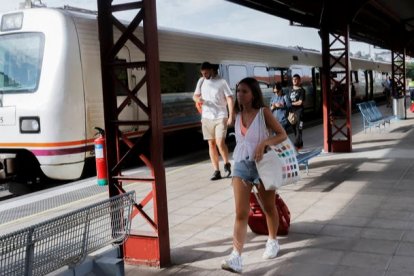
(304, 157)
(372, 116)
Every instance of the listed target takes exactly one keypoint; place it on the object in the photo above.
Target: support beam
(336, 91)
(398, 90)
(150, 247)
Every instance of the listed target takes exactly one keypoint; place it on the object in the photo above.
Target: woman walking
(251, 141)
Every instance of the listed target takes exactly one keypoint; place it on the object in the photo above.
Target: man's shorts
(214, 129)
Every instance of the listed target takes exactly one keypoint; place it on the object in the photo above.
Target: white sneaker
(272, 248)
(233, 263)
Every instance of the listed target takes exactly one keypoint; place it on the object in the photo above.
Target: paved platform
(351, 215)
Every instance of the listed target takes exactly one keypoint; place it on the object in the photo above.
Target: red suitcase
(412, 107)
(257, 219)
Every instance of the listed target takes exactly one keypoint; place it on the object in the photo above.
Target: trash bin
(398, 108)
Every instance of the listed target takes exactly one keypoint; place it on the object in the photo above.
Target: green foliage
(409, 69)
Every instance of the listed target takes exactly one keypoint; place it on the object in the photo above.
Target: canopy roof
(385, 23)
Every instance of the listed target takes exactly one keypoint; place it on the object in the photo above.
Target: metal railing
(67, 239)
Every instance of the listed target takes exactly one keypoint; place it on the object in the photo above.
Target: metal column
(398, 88)
(336, 91)
(151, 247)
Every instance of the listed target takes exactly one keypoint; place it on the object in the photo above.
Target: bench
(372, 116)
(304, 157)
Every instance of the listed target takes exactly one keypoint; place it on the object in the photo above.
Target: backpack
(257, 219)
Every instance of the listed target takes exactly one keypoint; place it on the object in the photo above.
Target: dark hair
(277, 86)
(206, 65)
(296, 76)
(254, 86)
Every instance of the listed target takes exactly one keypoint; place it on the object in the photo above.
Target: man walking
(214, 94)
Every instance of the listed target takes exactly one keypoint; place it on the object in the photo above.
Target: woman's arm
(276, 127)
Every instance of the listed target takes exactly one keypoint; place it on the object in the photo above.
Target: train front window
(20, 62)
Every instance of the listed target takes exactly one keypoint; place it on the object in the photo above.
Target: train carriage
(51, 89)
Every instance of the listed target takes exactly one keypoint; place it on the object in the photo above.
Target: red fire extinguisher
(100, 157)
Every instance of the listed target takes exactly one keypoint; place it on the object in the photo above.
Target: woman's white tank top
(246, 145)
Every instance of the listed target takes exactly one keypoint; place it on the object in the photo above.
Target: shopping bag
(270, 170)
(290, 168)
(292, 118)
(279, 165)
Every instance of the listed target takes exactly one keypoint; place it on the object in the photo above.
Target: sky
(218, 17)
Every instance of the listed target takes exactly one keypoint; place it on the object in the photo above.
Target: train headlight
(12, 21)
(29, 124)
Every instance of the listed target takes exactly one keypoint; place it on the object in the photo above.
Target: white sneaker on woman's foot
(233, 263)
(272, 248)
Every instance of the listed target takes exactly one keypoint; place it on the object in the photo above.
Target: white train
(51, 97)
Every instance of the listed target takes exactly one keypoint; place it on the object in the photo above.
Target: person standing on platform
(215, 96)
(279, 104)
(297, 99)
(251, 141)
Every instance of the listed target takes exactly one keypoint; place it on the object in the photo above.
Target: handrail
(67, 239)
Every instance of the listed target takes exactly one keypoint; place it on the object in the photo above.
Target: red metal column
(151, 247)
(398, 77)
(326, 91)
(336, 91)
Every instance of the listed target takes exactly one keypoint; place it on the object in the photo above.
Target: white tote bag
(270, 170)
(279, 165)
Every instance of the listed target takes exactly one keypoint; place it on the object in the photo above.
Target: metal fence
(67, 239)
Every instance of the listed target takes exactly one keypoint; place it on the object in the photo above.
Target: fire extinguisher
(100, 157)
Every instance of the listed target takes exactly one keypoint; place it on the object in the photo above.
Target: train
(51, 89)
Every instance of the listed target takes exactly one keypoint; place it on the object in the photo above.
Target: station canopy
(387, 24)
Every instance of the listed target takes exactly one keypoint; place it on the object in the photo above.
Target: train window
(21, 56)
(236, 73)
(297, 71)
(122, 75)
(356, 76)
(361, 76)
(262, 75)
(179, 77)
(306, 77)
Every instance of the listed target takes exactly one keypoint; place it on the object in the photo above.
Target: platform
(351, 215)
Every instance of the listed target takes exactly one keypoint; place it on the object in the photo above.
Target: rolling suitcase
(257, 219)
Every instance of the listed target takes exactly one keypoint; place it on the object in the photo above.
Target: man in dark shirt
(297, 99)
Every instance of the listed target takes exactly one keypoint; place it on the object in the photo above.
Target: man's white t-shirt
(214, 92)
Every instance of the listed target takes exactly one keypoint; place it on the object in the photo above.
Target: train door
(279, 75)
(377, 84)
(125, 81)
(234, 73)
(261, 74)
(359, 86)
(370, 84)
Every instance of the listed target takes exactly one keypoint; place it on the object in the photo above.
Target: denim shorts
(247, 171)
